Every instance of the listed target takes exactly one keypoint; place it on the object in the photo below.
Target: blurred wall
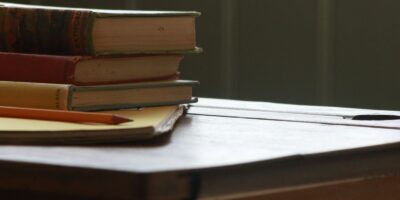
(324, 52)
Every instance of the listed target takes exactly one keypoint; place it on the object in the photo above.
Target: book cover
(88, 70)
(92, 98)
(70, 31)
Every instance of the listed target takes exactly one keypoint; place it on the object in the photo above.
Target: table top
(218, 149)
(217, 133)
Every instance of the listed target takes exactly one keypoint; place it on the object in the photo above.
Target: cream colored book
(147, 123)
(97, 97)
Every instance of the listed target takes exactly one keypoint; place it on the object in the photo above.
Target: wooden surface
(365, 189)
(215, 138)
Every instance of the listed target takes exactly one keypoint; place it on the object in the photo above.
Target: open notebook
(148, 122)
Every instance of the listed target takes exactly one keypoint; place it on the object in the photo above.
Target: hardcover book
(147, 123)
(87, 70)
(72, 31)
(91, 98)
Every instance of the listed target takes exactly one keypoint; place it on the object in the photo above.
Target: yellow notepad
(148, 122)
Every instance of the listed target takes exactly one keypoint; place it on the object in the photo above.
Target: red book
(87, 70)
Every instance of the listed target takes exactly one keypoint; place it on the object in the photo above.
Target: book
(147, 123)
(87, 70)
(74, 31)
(91, 98)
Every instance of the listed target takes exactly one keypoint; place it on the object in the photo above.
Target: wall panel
(367, 53)
(329, 52)
(277, 51)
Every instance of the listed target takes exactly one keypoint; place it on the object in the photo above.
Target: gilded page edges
(34, 95)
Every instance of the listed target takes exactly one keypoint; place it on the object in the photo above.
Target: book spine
(46, 31)
(34, 95)
(38, 68)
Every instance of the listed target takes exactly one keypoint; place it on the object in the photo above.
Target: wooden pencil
(61, 115)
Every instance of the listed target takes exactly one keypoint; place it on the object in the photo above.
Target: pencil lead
(117, 119)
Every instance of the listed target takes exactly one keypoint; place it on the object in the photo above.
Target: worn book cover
(88, 70)
(72, 31)
(92, 98)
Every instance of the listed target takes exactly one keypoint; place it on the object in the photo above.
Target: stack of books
(88, 60)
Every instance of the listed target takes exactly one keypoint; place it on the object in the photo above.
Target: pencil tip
(120, 119)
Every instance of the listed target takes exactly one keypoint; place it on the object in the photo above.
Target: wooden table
(223, 149)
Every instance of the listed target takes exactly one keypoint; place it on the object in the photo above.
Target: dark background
(319, 52)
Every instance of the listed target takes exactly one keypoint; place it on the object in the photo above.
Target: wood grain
(352, 189)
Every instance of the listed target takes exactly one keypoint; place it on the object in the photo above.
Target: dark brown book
(72, 31)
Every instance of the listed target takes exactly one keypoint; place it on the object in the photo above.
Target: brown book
(72, 31)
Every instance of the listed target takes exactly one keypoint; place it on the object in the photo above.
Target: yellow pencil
(61, 115)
